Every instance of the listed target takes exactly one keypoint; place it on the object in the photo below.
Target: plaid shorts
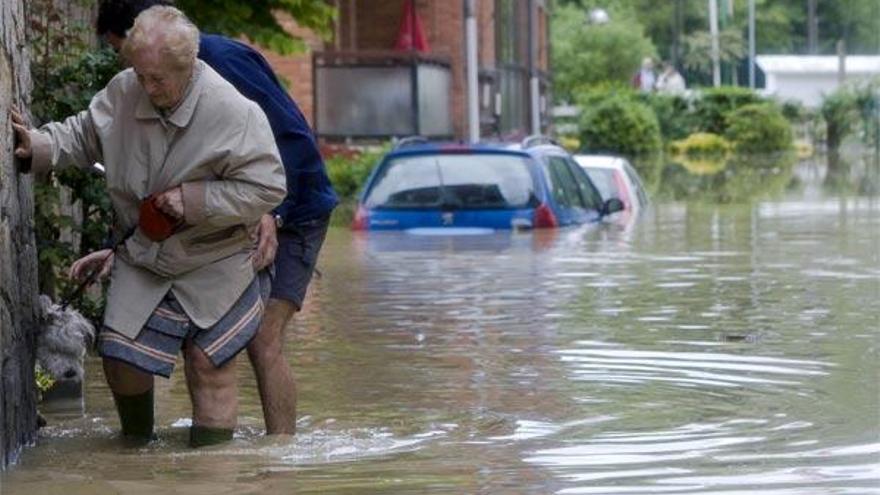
(155, 349)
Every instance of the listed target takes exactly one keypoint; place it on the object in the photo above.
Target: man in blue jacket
(289, 238)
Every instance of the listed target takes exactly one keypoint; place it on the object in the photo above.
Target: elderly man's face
(162, 84)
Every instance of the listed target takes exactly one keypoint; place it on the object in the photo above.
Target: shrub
(620, 125)
(570, 143)
(674, 115)
(758, 128)
(349, 171)
(794, 111)
(711, 109)
(64, 84)
(701, 144)
(867, 99)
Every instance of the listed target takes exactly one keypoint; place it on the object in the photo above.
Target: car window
(454, 181)
(603, 179)
(590, 195)
(555, 183)
(565, 191)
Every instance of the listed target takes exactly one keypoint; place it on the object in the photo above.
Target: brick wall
(444, 22)
(296, 70)
(373, 25)
(486, 33)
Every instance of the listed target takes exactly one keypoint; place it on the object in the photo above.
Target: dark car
(455, 188)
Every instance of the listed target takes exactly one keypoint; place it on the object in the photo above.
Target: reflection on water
(707, 349)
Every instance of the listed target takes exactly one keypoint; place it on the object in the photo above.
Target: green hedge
(758, 128)
(619, 120)
(713, 106)
(701, 144)
(674, 114)
(348, 172)
(619, 124)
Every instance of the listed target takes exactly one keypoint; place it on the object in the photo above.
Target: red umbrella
(411, 37)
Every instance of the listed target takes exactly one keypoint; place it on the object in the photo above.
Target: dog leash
(93, 273)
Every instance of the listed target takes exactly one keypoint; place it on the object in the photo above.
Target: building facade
(358, 86)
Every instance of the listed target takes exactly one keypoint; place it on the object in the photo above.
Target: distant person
(645, 79)
(296, 228)
(670, 81)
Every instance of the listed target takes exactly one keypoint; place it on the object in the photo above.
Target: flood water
(709, 348)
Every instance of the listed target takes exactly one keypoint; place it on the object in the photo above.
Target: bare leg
(133, 394)
(125, 379)
(214, 391)
(274, 377)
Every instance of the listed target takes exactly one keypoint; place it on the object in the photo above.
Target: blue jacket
(309, 192)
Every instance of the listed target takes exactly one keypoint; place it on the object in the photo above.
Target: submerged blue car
(449, 188)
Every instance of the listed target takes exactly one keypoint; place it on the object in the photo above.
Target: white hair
(167, 30)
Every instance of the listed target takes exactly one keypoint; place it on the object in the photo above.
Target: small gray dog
(65, 334)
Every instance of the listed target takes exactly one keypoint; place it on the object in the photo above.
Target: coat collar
(181, 115)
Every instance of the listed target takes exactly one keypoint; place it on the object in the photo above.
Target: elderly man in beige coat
(172, 132)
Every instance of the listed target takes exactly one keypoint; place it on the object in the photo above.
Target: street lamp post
(751, 44)
(716, 48)
(473, 108)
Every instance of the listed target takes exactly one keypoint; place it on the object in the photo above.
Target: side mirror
(613, 205)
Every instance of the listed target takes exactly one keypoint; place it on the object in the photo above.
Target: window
(565, 187)
(469, 181)
(591, 197)
(603, 179)
(512, 54)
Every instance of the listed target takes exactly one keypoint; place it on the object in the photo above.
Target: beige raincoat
(218, 146)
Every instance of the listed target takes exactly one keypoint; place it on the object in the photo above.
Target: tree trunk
(18, 255)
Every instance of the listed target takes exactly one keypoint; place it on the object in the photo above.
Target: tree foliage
(585, 55)
(698, 49)
(258, 21)
(781, 25)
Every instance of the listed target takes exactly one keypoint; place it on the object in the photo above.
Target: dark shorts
(296, 258)
(155, 349)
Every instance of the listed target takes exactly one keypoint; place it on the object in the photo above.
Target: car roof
(600, 161)
(452, 148)
(422, 146)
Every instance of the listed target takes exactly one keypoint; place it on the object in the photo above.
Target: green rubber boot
(136, 416)
(203, 436)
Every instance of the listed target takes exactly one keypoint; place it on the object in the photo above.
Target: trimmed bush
(758, 128)
(570, 143)
(712, 108)
(674, 114)
(701, 144)
(349, 171)
(618, 124)
(794, 111)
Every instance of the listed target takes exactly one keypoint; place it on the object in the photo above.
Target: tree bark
(18, 255)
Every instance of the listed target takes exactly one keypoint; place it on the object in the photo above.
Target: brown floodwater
(705, 349)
